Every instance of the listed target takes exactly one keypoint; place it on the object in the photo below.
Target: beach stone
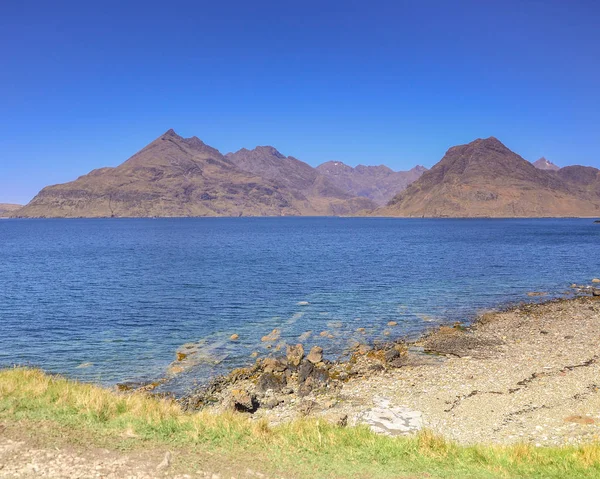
(305, 370)
(316, 355)
(243, 401)
(269, 381)
(320, 374)
(364, 349)
(305, 388)
(391, 354)
(271, 403)
(392, 421)
(295, 354)
(580, 419)
(271, 365)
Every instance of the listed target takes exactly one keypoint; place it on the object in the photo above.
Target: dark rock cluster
(274, 380)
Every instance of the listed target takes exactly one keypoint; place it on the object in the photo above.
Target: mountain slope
(544, 164)
(175, 176)
(295, 175)
(484, 178)
(378, 183)
(6, 209)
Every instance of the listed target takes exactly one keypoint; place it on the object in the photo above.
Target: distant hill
(299, 177)
(175, 176)
(544, 164)
(6, 209)
(485, 178)
(379, 183)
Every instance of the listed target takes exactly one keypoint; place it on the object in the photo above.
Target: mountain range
(486, 179)
(378, 183)
(176, 176)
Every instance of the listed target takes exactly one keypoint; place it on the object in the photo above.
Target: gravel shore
(530, 374)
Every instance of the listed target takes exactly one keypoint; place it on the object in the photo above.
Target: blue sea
(111, 300)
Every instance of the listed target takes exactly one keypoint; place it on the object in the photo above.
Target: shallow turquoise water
(124, 294)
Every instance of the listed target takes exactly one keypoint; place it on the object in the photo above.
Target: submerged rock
(456, 342)
(304, 336)
(84, 365)
(272, 336)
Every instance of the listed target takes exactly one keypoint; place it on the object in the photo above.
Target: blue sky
(87, 84)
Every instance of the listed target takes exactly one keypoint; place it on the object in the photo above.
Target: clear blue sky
(86, 84)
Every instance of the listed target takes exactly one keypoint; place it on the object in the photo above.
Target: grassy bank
(301, 449)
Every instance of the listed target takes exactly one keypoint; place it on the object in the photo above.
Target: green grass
(308, 448)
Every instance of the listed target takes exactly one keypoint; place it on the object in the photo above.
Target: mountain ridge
(378, 183)
(176, 176)
(486, 179)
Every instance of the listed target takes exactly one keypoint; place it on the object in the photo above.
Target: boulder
(274, 365)
(269, 381)
(241, 400)
(391, 354)
(234, 337)
(295, 354)
(305, 371)
(316, 355)
(596, 292)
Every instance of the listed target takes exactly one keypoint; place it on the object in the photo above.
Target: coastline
(527, 373)
(456, 384)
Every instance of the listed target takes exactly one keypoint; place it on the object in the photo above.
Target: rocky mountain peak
(544, 164)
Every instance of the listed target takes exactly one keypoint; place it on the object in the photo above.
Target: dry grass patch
(304, 448)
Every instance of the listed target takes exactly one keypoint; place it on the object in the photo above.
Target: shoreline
(522, 373)
(503, 379)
